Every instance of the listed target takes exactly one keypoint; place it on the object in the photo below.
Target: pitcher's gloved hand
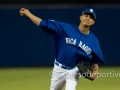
(85, 71)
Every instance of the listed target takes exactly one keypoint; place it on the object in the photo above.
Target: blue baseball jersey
(71, 45)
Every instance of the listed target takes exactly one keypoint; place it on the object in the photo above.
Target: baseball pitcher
(74, 45)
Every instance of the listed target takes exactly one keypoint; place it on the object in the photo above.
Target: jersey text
(81, 45)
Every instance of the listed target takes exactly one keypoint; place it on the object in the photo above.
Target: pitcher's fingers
(22, 9)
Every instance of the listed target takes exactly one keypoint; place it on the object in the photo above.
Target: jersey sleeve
(52, 27)
(97, 56)
(95, 59)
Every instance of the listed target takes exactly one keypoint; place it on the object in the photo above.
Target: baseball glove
(85, 71)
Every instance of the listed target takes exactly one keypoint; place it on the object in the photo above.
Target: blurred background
(22, 43)
(27, 53)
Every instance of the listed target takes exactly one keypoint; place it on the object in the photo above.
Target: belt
(62, 66)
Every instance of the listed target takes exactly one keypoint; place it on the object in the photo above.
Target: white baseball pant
(61, 76)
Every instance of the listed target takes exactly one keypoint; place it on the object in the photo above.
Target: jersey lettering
(85, 48)
(70, 41)
(81, 45)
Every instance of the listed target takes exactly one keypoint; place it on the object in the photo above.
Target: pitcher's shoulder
(94, 36)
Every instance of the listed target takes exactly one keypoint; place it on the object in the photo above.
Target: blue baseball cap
(91, 11)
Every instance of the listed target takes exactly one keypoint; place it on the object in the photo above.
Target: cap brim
(94, 17)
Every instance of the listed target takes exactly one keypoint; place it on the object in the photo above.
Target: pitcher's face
(87, 19)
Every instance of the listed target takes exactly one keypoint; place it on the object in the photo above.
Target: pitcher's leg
(71, 85)
(57, 84)
(72, 79)
(57, 79)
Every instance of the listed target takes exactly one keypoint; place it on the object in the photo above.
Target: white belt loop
(60, 65)
(55, 59)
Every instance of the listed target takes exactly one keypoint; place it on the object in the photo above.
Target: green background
(37, 78)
